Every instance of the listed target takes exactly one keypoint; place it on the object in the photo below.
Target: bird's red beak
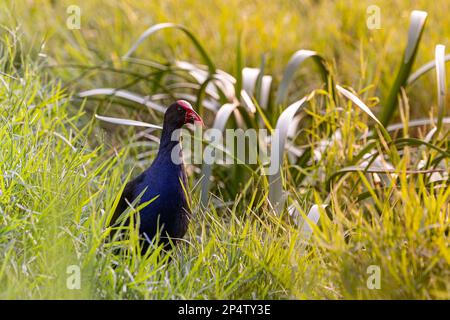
(191, 116)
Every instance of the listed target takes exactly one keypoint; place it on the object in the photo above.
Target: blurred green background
(335, 29)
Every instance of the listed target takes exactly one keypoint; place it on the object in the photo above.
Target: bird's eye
(179, 109)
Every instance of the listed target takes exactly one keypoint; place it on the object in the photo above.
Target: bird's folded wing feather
(128, 196)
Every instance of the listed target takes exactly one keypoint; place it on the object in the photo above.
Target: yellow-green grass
(60, 173)
(337, 30)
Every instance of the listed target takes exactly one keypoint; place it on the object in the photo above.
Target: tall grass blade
(296, 60)
(276, 196)
(127, 122)
(264, 96)
(358, 102)
(247, 101)
(147, 33)
(239, 67)
(124, 94)
(262, 85)
(416, 26)
(413, 123)
(220, 122)
(312, 217)
(441, 84)
(249, 79)
(220, 80)
(417, 123)
(424, 69)
(380, 169)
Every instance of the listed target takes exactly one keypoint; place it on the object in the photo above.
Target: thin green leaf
(358, 103)
(276, 196)
(424, 69)
(239, 66)
(374, 169)
(147, 33)
(249, 77)
(124, 94)
(441, 83)
(416, 26)
(247, 101)
(127, 122)
(220, 122)
(296, 60)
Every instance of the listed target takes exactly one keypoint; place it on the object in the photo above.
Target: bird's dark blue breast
(168, 213)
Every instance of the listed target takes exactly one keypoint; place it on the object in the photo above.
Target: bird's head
(180, 113)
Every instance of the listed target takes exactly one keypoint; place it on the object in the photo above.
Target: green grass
(60, 169)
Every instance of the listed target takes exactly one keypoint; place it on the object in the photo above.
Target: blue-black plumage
(165, 182)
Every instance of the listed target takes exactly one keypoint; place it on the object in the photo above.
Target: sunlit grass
(60, 173)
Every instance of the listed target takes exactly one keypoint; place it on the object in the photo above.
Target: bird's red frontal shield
(191, 115)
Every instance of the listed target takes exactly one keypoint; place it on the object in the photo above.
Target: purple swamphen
(165, 183)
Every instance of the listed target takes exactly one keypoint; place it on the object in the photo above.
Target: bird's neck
(170, 143)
